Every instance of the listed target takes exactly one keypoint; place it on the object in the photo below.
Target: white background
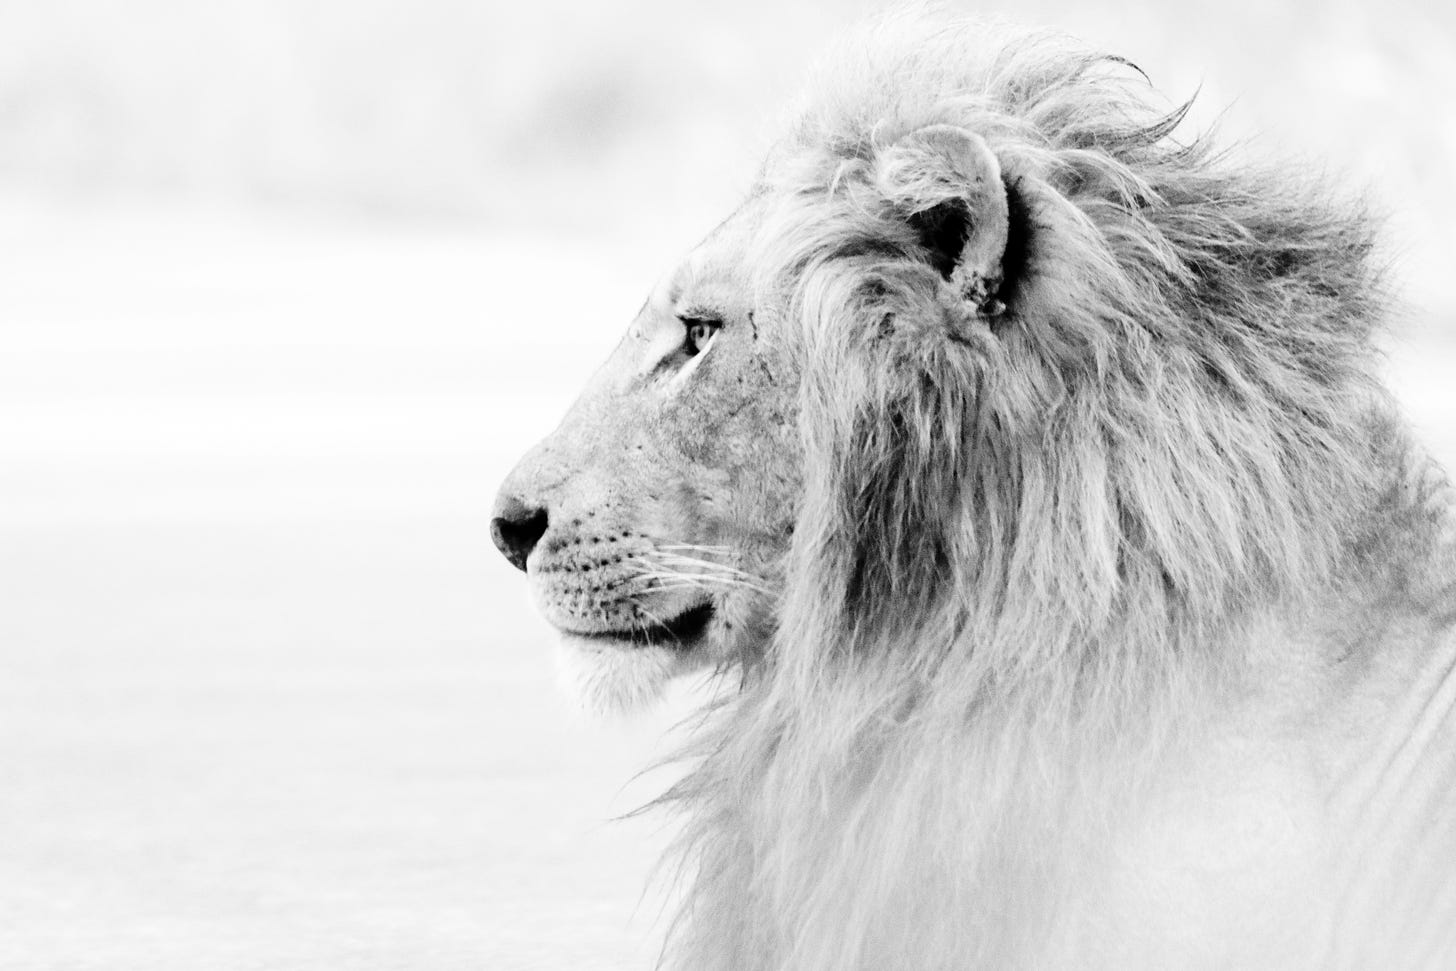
(285, 287)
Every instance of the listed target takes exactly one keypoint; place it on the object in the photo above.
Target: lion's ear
(947, 183)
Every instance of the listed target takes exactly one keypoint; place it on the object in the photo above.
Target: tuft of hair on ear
(946, 183)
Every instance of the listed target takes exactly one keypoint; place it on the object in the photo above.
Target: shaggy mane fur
(1031, 547)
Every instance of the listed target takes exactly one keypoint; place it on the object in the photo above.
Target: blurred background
(285, 288)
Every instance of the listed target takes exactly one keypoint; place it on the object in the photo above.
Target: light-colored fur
(1061, 574)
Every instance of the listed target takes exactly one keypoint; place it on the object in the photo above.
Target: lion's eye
(700, 331)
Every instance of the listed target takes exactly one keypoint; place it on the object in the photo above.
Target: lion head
(968, 308)
(654, 522)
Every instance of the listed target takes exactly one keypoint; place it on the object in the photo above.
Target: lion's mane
(1029, 547)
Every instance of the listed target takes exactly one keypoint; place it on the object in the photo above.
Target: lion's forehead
(717, 265)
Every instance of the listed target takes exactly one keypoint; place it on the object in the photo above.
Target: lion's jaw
(652, 521)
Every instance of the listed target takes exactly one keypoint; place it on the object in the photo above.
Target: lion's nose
(516, 529)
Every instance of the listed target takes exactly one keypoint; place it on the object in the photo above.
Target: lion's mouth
(682, 630)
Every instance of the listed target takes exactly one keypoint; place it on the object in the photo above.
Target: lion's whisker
(672, 558)
(711, 567)
(682, 581)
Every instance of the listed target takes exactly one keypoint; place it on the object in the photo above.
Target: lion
(1081, 597)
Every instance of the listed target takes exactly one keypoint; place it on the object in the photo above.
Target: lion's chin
(609, 676)
(614, 671)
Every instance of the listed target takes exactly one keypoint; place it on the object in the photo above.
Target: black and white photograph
(821, 485)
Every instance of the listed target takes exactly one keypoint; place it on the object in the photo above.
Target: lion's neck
(849, 827)
(862, 813)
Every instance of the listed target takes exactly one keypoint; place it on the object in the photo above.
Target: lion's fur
(1034, 553)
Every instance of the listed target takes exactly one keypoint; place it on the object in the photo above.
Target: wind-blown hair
(1037, 527)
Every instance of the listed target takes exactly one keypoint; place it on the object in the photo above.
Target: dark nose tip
(516, 528)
